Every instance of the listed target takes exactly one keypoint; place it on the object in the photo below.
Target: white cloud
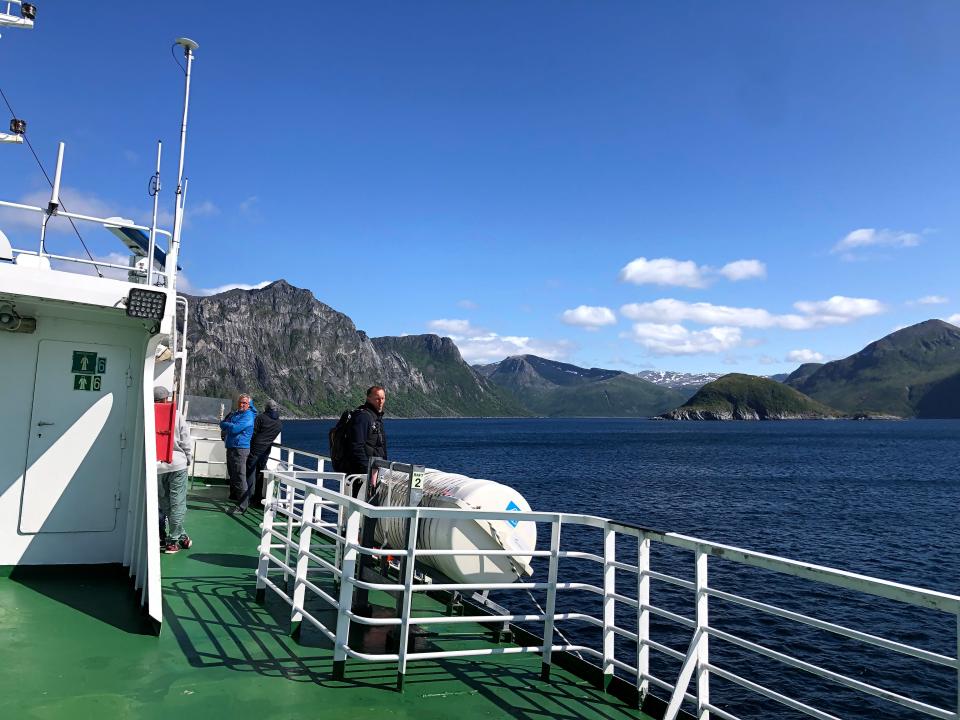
(72, 200)
(804, 356)
(184, 285)
(458, 328)
(661, 339)
(668, 310)
(839, 310)
(663, 271)
(492, 347)
(202, 209)
(84, 203)
(954, 319)
(835, 311)
(479, 345)
(686, 273)
(743, 270)
(589, 317)
(871, 237)
(249, 206)
(930, 300)
(467, 304)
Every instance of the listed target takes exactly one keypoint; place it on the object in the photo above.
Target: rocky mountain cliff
(280, 342)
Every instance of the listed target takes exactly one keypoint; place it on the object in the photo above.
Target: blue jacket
(239, 427)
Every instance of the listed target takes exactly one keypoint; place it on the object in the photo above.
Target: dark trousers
(237, 471)
(253, 492)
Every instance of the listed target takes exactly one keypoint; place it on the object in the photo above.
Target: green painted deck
(72, 645)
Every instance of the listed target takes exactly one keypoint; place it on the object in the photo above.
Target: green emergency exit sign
(87, 382)
(84, 362)
(88, 369)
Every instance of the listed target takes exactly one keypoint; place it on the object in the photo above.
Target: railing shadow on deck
(218, 623)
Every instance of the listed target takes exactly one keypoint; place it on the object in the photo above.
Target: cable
(50, 182)
(555, 628)
(175, 59)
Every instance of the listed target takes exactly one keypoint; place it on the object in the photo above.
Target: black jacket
(266, 427)
(366, 439)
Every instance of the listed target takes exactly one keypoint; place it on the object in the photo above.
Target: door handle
(43, 423)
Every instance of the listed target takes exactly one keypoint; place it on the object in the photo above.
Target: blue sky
(689, 185)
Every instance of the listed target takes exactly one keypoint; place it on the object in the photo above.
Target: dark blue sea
(876, 498)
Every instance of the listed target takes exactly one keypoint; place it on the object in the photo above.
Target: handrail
(313, 500)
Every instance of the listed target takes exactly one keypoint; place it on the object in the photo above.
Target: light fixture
(18, 126)
(146, 304)
(28, 11)
(11, 321)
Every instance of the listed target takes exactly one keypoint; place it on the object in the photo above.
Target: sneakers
(235, 510)
(171, 547)
(185, 542)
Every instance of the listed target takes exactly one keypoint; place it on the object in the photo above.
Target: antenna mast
(188, 47)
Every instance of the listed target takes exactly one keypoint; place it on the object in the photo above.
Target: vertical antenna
(54, 203)
(155, 191)
(188, 47)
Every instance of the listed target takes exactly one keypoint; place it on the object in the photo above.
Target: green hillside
(906, 373)
(555, 389)
(748, 397)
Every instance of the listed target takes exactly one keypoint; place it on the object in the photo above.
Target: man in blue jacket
(238, 429)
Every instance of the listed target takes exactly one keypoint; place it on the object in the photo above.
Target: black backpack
(339, 442)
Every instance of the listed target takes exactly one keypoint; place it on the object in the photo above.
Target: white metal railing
(323, 561)
(114, 221)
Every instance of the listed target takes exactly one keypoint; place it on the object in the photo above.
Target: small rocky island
(748, 397)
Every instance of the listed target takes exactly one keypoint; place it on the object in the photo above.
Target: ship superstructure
(83, 343)
(323, 603)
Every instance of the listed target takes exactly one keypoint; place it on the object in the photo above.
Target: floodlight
(18, 126)
(147, 304)
(28, 11)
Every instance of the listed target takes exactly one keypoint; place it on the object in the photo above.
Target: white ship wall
(65, 497)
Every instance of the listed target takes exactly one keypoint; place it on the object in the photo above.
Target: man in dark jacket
(367, 438)
(266, 428)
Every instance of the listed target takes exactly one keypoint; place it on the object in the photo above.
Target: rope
(49, 181)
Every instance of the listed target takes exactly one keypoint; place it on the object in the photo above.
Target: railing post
(703, 620)
(408, 566)
(643, 617)
(551, 610)
(288, 496)
(345, 602)
(958, 666)
(263, 564)
(609, 603)
(303, 562)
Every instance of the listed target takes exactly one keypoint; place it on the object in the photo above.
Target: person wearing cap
(266, 428)
(172, 481)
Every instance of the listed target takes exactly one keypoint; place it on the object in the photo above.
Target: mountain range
(556, 389)
(280, 342)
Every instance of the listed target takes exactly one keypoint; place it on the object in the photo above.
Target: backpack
(339, 442)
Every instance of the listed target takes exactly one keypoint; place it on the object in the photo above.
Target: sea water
(876, 498)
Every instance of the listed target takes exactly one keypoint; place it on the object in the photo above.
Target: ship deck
(75, 646)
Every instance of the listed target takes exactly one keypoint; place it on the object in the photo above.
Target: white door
(75, 452)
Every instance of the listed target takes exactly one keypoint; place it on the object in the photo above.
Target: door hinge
(123, 441)
(116, 500)
(129, 378)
